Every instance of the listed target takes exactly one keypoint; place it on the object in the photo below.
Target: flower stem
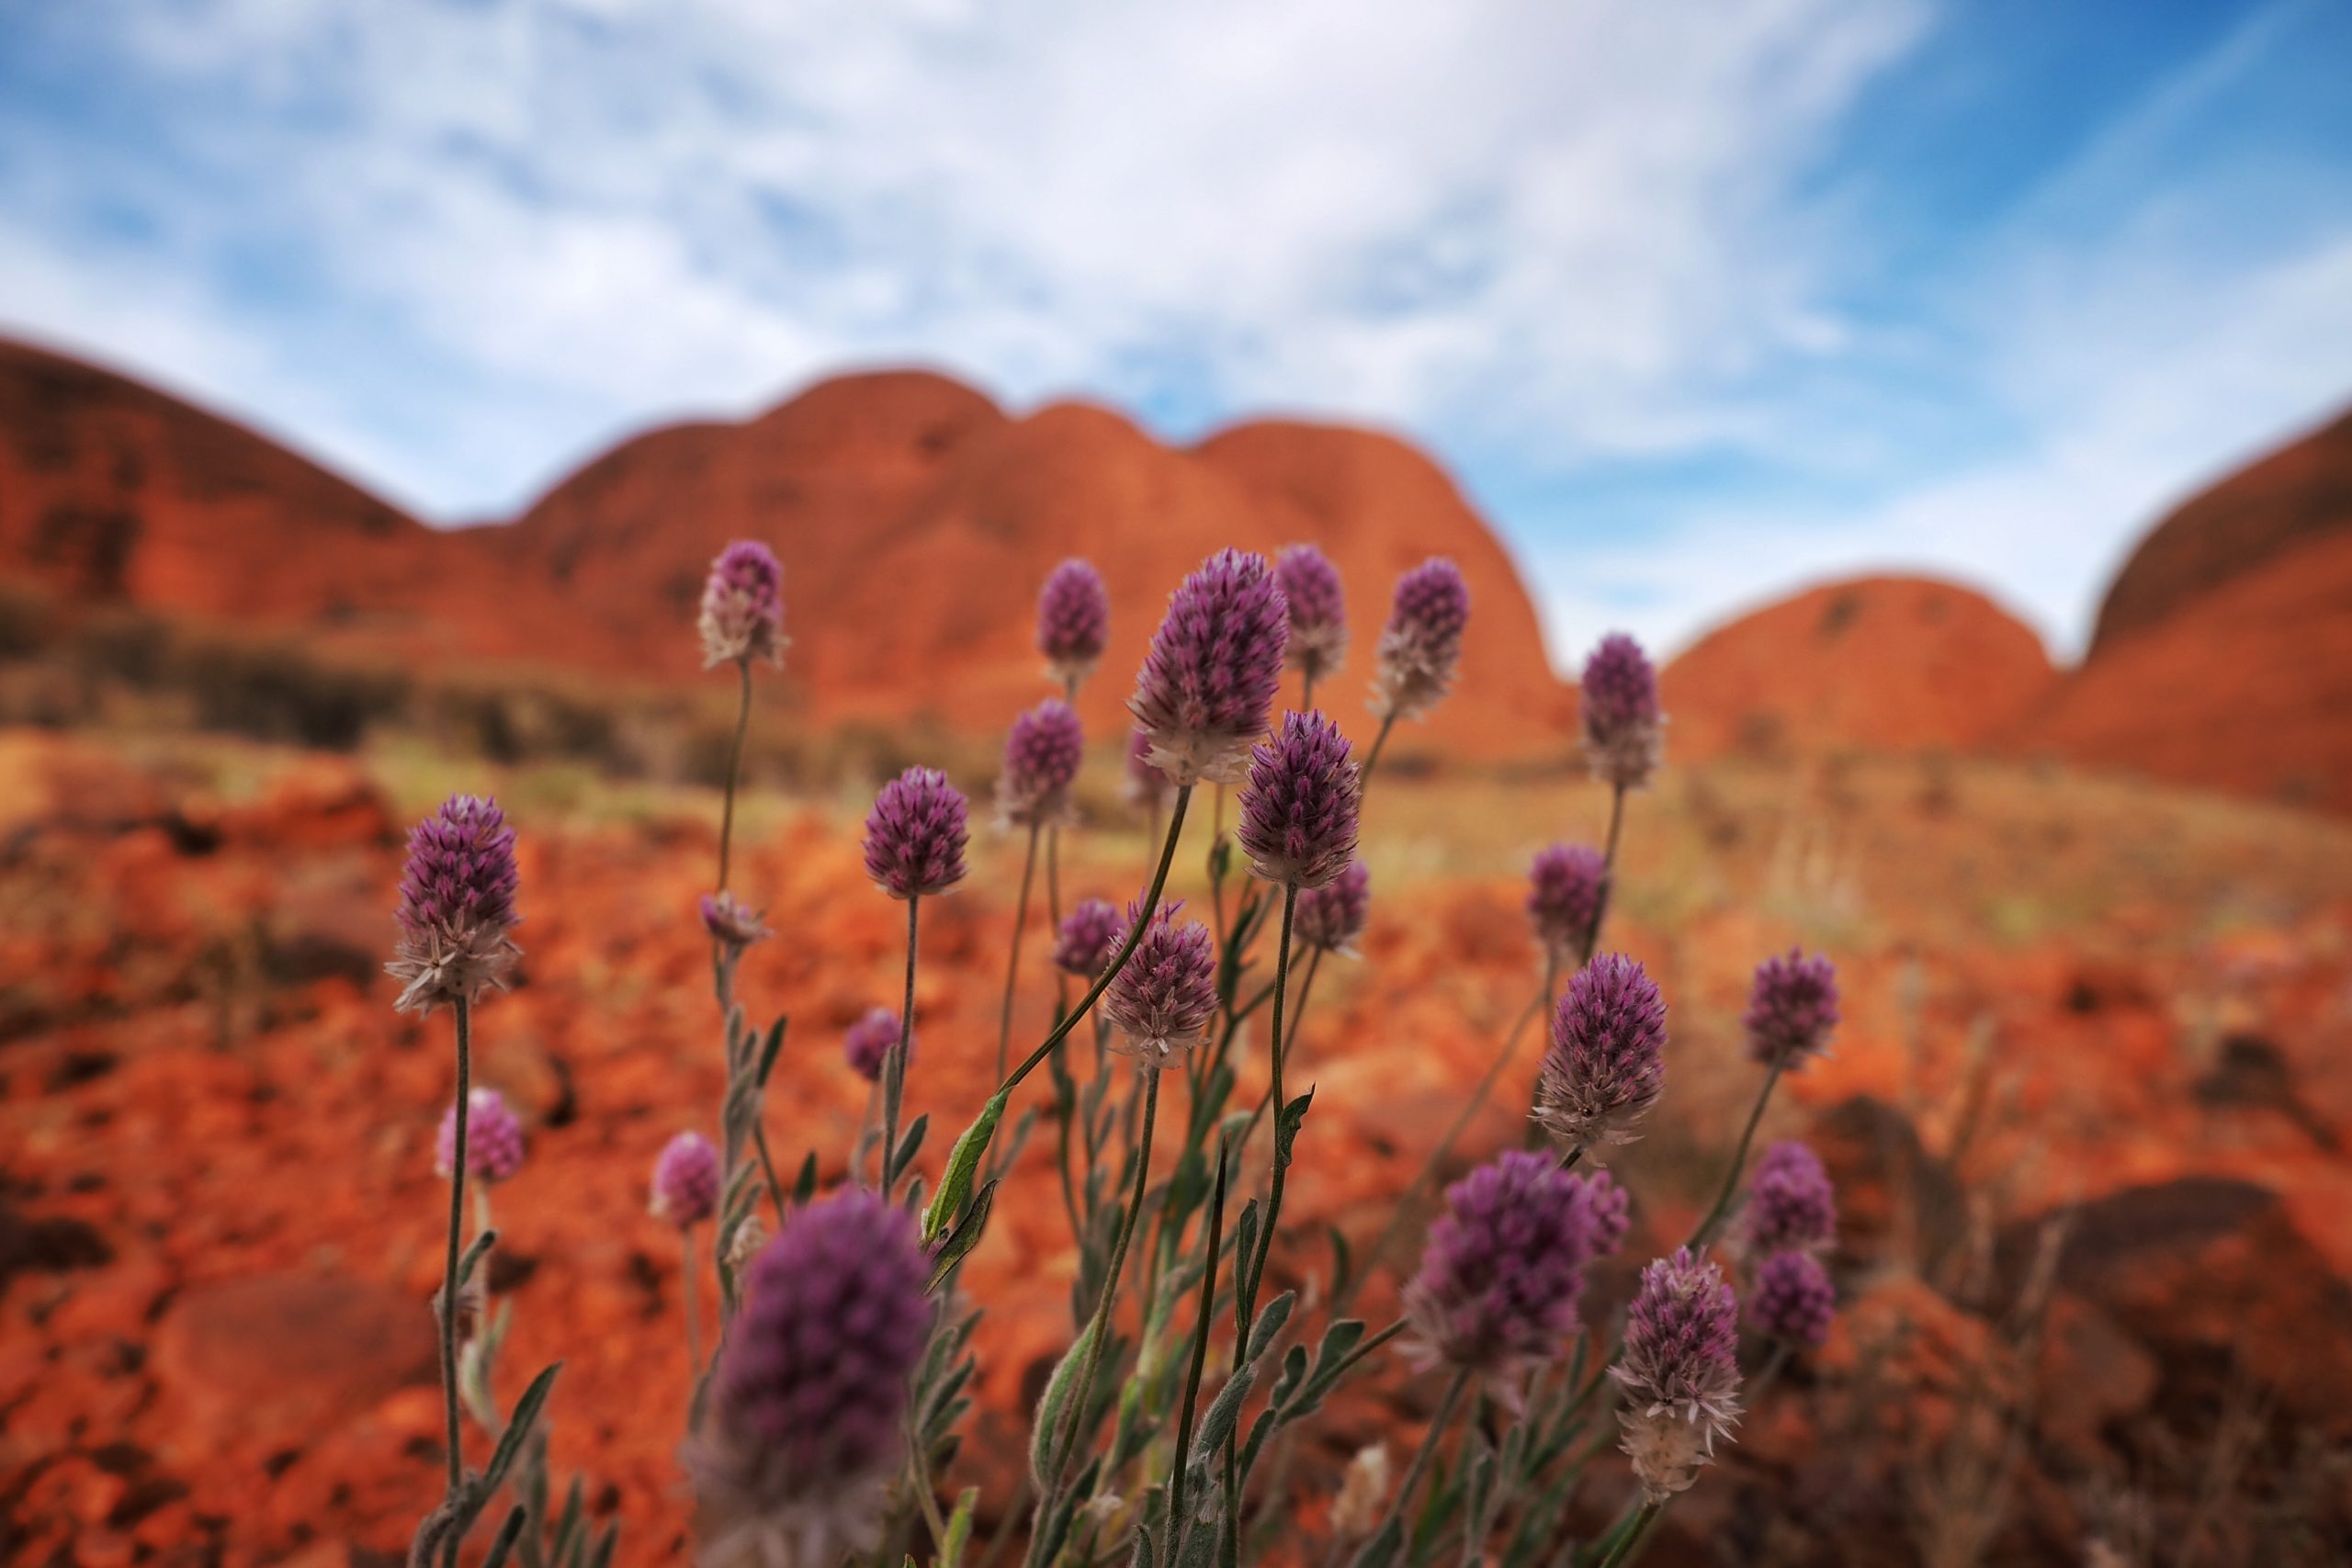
(1102, 1330)
(686, 1299)
(895, 1071)
(1629, 1535)
(734, 768)
(1306, 691)
(1371, 758)
(1118, 959)
(1707, 1231)
(449, 1279)
(1399, 1505)
(1608, 871)
(1252, 1271)
(1013, 960)
(1182, 1470)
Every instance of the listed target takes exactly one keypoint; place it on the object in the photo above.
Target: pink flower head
(1421, 647)
(1073, 620)
(456, 906)
(742, 606)
(1300, 808)
(1213, 669)
(1319, 612)
(915, 835)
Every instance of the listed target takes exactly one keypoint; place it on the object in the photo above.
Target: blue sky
(1700, 301)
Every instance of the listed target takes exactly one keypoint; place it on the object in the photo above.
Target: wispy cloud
(452, 247)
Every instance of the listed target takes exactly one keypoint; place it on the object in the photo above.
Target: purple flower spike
(1421, 646)
(456, 906)
(1623, 732)
(1073, 621)
(1794, 1301)
(1162, 998)
(1332, 916)
(1041, 758)
(1792, 1009)
(1680, 1371)
(805, 1430)
(870, 1040)
(1299, 812)
(1213, 669)
(731, 923)
(493, 1139)
(1607, 1064)
(915, 835)
(1792, 1207)
(1319, 612)
(686, 1182)
(1564, 889)
(1089, 938)
(1608, 1208)
(1497, 1289)
(743, 607)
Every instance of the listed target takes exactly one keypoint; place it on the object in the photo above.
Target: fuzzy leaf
(1287, 1126)
(1224, 1414)
(960, 1528)
(1053, 1406)
(508, 1533)
(768, 1049)
(1275, 1314)
(955, 1184)
(805, 1188)
(518, 1428)
(963, 1237)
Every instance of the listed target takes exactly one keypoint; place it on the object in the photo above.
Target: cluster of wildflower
(831, 1398)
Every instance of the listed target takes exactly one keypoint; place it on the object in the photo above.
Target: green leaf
(1342, 1260)
(768, 1049)
(508, 1533)
(1224, 1414)
(963, 1237)
(805, 1188)
(1053, 1406)
(1147, 1553)
(474, 1254)
(603, 1556)
(1287, 1126)
(963, 1161)
(960, 1528)
(912, 1143)
(1270, 1323)
(518, 1428)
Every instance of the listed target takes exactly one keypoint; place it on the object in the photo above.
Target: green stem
(1707, 1231)
(1630, 1538)
(1608, 871)
(1371, 758)
(1013, 960)
(1179, 1480)
(686, 1299)
(1083, 1393)
(734, 768)
(1118, 959)
(449, 1279)
(895, 1070)
(1253, 1270)
(1306, 691)
(1399, 1505)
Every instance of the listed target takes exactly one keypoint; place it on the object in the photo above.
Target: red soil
(1893, 663)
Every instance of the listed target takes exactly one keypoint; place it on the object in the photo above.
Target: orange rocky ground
(218, 1217)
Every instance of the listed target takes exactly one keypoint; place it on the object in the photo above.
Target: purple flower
(1793, 1299)
(1608, 1210)
(1318, 611)
(1792, 1206)
(493, 1139)
(1564, 890)
(915, 835)
(1041, 758)
(1162, 998)
(456, 906)
(686, 1182)
(1623, 732)
(1332, 916)
(1680, 1371)
(1421, 646)
(1299, 810)
(1089, 938)
(869, 1041)
(1791, 1010)
(1146, 788)
(731, 923)
(1214, 666)
(742, 606)
(1073, 620)
(1607, 1064)
(805, 1428)
(1497, 1289)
